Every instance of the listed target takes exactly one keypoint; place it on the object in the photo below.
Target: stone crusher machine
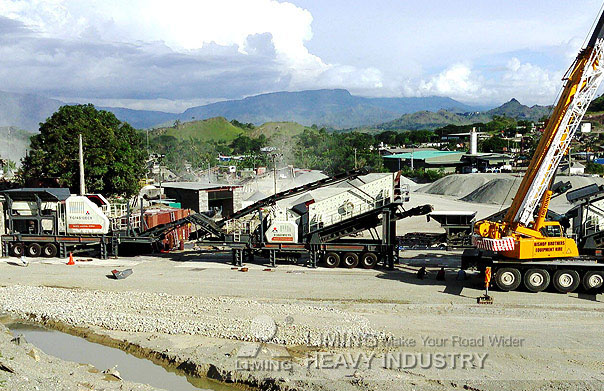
(50, 222)
(347, 219)
(524, 247)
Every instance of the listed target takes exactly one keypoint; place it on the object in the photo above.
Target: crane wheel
(34, 250)
(508, 279)
(536, 280)
(369, 260)
(332, 260)
(593, 281)
(350, 260)
(566, 281)
(49, 250)
(18, 249)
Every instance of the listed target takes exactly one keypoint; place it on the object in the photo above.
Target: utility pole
(355, 158)
(81, 156)
(274, 156)
(412, 159)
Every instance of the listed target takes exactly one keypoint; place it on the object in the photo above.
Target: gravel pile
(459, 185)
(217, 317)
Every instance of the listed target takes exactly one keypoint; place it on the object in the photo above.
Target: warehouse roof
(197, 185)
(421, 155)
(45, 194)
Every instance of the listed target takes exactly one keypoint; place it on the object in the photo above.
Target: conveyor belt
(367, 220)
(292, 192)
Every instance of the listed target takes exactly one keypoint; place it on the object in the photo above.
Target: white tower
(473, 142)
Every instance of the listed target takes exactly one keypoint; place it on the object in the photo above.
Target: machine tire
(49, 250)
(369, 260)
(592, 281)
(350, 260)
(331, 260)
(566, 280)
(34, 250)
(18, 249)
(508, 279)
(536, 280)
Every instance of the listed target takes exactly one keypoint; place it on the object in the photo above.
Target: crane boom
(520, 235)
(580, 89)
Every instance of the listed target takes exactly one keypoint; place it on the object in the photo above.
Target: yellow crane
(515, 245)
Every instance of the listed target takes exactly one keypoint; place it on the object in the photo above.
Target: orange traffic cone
(71, 262)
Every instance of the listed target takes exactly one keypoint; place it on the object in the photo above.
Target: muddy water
(131, 368)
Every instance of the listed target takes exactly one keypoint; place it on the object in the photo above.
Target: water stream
(131, 368)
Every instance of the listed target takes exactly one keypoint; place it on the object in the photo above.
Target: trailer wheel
(566, 281)
(49, 250)
(332, 260)
(536, 280)
(18, 249)
(34, 250)
(351, 260)
(592, 281)
(369, 260)
(508, 279)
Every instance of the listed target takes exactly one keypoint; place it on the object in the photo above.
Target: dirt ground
(319, 329)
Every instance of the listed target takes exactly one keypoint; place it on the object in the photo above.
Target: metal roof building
(426, 159)
(202, 197)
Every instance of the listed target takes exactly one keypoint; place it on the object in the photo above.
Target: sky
(171, 55)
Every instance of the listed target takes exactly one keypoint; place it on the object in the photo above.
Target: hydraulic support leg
(272, 256)
(314, 257)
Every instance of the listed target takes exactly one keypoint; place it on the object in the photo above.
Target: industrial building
(449, 161)
(201, 197)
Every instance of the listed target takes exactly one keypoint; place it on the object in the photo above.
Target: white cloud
(458, 81)
(528, 81)
(167, 54)
(191, 27)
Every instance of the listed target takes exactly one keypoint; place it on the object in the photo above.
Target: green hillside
(217, 129)
(271, 129)
(430, 120)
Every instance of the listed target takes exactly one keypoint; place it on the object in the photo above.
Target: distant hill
(336, 109)
(433, 120)
(217, 129)
(25, 111)
(15, 142)
(285, 129)
(141, 119)
(515, 109)
(331, 108)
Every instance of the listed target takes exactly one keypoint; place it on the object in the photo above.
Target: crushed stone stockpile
(459, 185)
(218, 317)
(497, 189)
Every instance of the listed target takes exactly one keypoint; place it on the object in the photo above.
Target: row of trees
(116, 154)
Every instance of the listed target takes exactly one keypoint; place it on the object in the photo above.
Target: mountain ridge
(335, 108)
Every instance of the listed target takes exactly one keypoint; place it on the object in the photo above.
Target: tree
(494, 144)
(114, 155)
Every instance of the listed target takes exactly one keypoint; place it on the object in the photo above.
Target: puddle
(131, 368)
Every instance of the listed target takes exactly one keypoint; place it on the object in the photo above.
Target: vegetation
(114, 154)
(594, 168)
(335, 152)
(216, 129)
